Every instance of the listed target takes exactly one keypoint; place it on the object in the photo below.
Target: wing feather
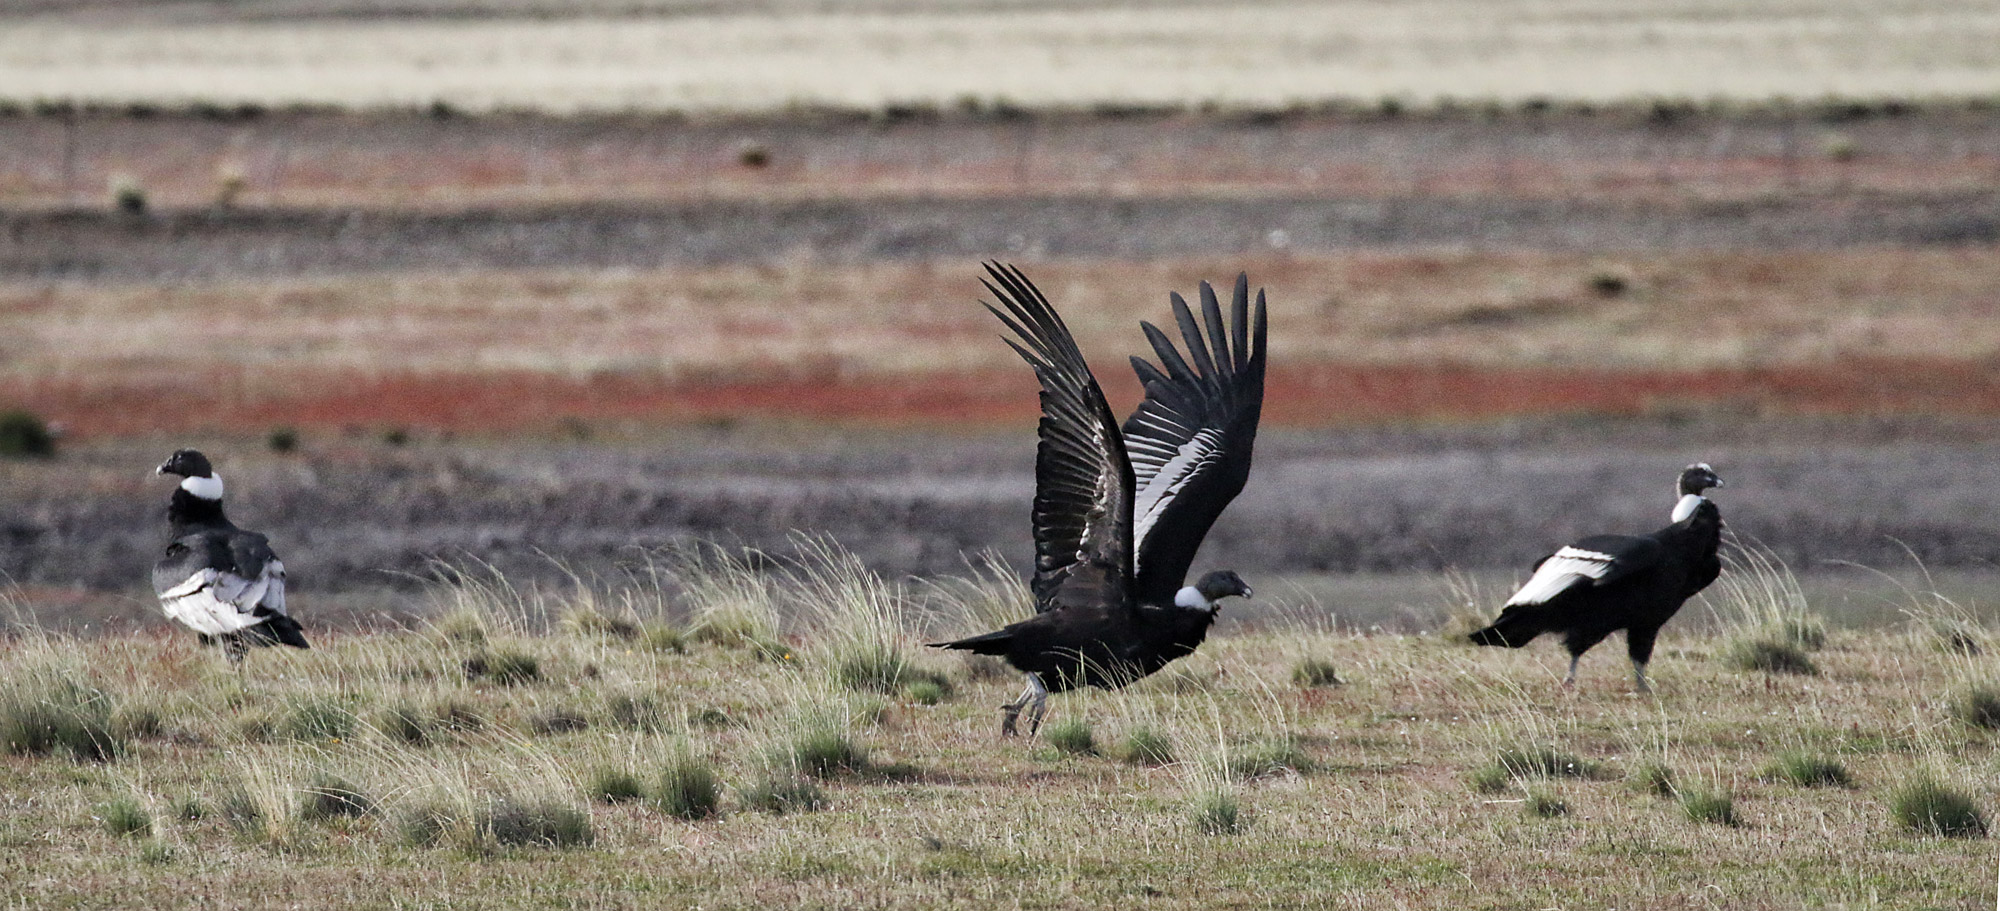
(1083, 479)
(1192, 439)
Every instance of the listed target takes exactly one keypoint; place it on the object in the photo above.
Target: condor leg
(1033, 698)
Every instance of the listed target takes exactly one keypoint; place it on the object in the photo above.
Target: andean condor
(219, 580)
(1120, 512)
(1605, 583)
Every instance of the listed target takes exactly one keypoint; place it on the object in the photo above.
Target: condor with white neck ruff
(216, 579)
(1120, 512)
(1605, 583)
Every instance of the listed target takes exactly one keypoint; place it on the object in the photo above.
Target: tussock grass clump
(1542, 761)
(779, 792)
(1655, 778)
(1710, 805)
(134, 720)
(1271, 756)
(588, 622)
(1314, 672)
(318, 719)
(821, 751)
(636, 711)
(735, 601)
(540, 823)
(189, 808)
(1769, 655)
(1808, 770)
(124, 817)
(47, 709)
(1145, 745)
(662, 637)
(1928, 806)
(1217, 811)
(415, 725)
(155, 853)
(1978, 705)
(613, 784)
(327, 796)
(1072, 736)
(1545, 805)
(688, 787)
(1490, 778)
(559, 719)
(927, 692)
(503, 666)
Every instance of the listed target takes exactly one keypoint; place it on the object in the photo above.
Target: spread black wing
(1083, 480)
(1191, 440)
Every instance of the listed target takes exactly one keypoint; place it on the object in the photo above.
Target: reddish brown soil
(1299, 396)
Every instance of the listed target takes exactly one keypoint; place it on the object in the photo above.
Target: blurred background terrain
(553, 285)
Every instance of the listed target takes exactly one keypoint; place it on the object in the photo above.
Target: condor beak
(1246, 591)
(160, 470)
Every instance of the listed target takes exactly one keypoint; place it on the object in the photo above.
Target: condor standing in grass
(1605, 583)
(219, 580)
(1119, 513)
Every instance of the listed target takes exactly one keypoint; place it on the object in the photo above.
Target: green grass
(1311, 672)
(1808, 770)
(1228, 786)
(1927, 806)
(1709, 805)
(125, 817)
(1072, 736)
(1769, 655)
(47, 710)
(1978, 705)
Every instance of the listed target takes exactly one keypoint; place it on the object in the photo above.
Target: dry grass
(1330, 795)
(866, 55)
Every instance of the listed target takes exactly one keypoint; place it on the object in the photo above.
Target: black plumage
(221, 581)
(1606, 583)
(1120, 512)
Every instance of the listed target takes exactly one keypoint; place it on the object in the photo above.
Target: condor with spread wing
(1120, 511)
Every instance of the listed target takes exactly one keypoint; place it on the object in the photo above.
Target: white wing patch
(213, 602)
(1560, 571)
(1166, 471)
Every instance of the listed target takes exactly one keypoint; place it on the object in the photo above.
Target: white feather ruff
(209, 488)
(1686, 507)
(1560, 571)
(1190, 597)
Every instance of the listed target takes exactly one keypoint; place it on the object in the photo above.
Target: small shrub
(503, 666)
(1769, 655)
(926, 692)
(396, 436)
(1312, 672)
(406, 724)
(779, 793)
(125, 816)
(688, 788)
(542, 824)
(328, 797)
(1711, 805)
(426, 824)
(127, 195)
(1808, 770)
(1543, 762)
(611, 784)
(710, 717)
(1072, 736)
(138, 721)
(753, 155)
(1544, 805)
(190, 809)
(315, 719)
(25, 436)
(1146, 746)
(1271, 756)
(1217, 811)
(1928, 807)
(282, 440)
(1608, 284)
(1653, 778)
(1978, 705)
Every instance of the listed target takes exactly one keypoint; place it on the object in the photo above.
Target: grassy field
(769, 56)
(744, 738)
